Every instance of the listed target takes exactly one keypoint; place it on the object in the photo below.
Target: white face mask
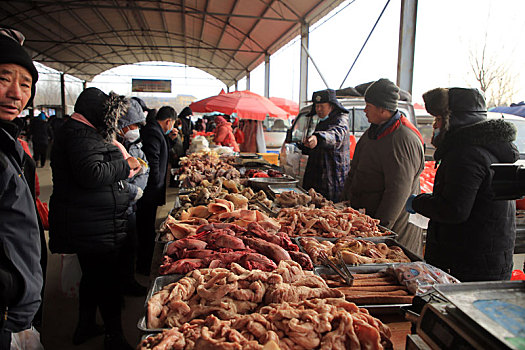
(132, 135)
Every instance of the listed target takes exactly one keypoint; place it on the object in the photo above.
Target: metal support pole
(63, 93)
(316, 68)
(236, 85)
(267, 76)
(84, 85)
(303, 66)
(248, 80)
(407, 41)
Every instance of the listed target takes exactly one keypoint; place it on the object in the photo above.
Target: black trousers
(146, 217)
(99, 287)
(5, 339)
(40, 152)
(128, 251)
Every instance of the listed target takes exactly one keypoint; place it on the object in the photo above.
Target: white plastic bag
(70, 274)
(28, 339)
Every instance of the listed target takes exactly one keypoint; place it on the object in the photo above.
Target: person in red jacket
(224, 134)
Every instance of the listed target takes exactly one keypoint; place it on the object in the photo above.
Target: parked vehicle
(294, 162)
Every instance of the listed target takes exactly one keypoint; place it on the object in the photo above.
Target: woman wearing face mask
(129, 136)
(328, 147)
(156, 135)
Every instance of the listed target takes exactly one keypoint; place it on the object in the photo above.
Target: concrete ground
(61, 312)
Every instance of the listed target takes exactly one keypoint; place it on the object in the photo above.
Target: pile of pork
(290, 199)
(198, 167)
(328, 222)
(234, 209)
(221, 244)
(227, 293)
(330, 323)
(353, 251)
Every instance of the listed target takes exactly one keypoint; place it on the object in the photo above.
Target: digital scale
(478, 315)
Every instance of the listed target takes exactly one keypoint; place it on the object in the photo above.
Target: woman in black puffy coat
(88, 208)
(470, 234)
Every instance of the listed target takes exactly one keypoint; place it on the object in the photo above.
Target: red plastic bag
(43, 212)
(517, 275)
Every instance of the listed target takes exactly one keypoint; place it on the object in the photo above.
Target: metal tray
(262, 183)
(159, 283)
(504, 302)
(377, 309)
(368, 267)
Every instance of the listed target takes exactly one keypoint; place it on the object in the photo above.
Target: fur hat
(436, 102)
(135, 115)
(12, 52)
(101, 110)
(383, 93)
(324, 96)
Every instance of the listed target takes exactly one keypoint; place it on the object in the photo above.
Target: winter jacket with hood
(385, 171)
(88, 205)
(20, 244)
(138, 181)
(470, 234)
(224, 134)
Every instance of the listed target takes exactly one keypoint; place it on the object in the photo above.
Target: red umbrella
(246, 104)
(289, 106)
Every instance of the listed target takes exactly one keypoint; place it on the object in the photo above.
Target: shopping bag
(28, 339)
(70, 274)
(43, 212)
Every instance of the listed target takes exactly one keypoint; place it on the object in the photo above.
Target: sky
(449, 34)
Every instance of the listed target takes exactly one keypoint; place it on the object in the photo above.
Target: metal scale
(475, 315)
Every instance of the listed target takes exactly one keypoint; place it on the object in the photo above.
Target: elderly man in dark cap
(20, 244)
(328, 147)
(470, 235)
(387, 162)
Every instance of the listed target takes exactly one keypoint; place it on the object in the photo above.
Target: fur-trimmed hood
(496, 135)
(101, 110)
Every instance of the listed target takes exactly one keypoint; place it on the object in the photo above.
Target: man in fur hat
(470, 235)
(387, 162)
(20, 243)
(328, 147)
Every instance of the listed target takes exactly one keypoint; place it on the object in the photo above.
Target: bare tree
(494, 77)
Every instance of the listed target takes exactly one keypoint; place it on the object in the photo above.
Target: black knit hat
(12, 52)
(325, 96)
(383, 93)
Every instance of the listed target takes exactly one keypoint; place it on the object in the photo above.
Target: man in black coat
(470, 234)
(156, 148)
(21, 277)
(40, 133)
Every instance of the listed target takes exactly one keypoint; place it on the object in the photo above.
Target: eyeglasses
(13, 34)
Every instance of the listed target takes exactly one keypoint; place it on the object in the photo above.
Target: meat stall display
(248, 274)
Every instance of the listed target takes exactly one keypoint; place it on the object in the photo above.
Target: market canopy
(246, 104)
(515, 108)
(289, 106)
(225, 38)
